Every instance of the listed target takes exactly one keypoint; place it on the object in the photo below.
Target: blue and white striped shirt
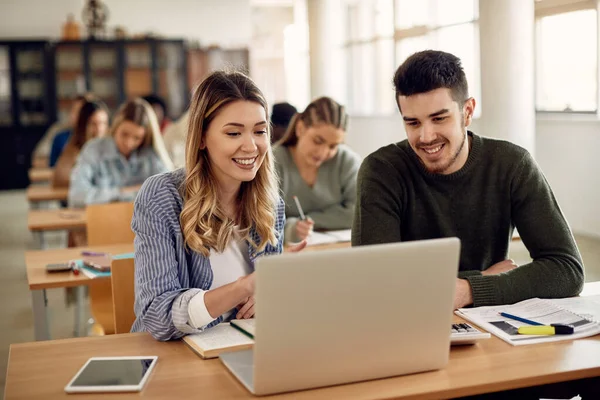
(101, 171)
(167, 276)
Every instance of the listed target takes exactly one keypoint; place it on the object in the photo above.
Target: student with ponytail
(313, 164)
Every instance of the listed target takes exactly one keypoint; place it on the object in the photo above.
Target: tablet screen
(113, 372)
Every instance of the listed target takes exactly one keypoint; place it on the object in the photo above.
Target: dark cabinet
(40, 79)
(27, 107)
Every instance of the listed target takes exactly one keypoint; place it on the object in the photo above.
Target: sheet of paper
(329, 237)
(538, 310)
(573, 398)
(219, 337)
(586, 306)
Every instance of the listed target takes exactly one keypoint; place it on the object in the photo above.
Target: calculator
(466, 334)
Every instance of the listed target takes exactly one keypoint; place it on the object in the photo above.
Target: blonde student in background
(314, 165)
(199, 230)
(113, 168)
(92, 122)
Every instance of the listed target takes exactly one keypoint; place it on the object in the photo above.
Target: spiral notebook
(581, 312)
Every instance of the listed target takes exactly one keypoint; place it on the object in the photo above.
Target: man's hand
(304, 228)
(463, 295)
(498, 268)
(246, 308)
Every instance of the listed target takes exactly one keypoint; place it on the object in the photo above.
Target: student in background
(174, 136)
(314, 165)
(280, 119)
(61, 138)
(446, 181)
(113, 168)
(199, 230)
(91, 123)
(160, 108)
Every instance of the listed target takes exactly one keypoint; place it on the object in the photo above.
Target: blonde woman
(114, 167)
(314, 165)
(199, 229)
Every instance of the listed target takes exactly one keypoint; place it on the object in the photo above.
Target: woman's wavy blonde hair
(140, 112)
(204, 224)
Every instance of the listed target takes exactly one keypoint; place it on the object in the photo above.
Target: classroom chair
(106, 224)
(123, 294)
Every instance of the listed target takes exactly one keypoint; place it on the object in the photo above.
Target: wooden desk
(42, 369)
(39, 280)
(41, 174)
(54, 220)
(46, 193)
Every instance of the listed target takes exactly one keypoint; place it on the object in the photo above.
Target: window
(370, 57)
(383, 33)
(449, 26)
(567, 60)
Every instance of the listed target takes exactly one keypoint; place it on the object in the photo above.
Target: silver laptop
(337, 316)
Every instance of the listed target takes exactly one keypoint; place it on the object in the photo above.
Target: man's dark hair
(429, 70)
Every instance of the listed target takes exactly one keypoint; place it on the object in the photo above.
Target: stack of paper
(543, 311)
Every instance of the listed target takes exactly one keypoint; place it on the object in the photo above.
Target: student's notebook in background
(329, 237)
(544, 311)
(218, 339)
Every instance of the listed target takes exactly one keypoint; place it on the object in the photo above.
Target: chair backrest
(109, 223)
(123, 296)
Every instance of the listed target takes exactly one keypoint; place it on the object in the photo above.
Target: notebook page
(219, 337)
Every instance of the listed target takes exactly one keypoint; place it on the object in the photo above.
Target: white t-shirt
(227, 267)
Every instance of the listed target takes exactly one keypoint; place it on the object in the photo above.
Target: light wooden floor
(15, 312)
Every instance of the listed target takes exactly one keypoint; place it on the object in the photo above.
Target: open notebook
(218, 339)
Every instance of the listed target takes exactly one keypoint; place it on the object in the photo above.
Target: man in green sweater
(446, 181)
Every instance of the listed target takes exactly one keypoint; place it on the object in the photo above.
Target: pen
(302, 216)
(554, 329)
(527, 321)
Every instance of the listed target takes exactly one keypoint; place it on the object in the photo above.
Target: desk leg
(40, 314)
(43, 244)
(79, 309)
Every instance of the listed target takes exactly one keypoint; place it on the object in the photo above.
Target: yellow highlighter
(554, 329)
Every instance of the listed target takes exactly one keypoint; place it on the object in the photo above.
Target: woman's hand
(304, 228)
(246, 308)
(296, 247)
(247, 284)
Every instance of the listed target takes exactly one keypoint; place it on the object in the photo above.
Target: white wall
(223, 22)
(567, 153)
(565, 150)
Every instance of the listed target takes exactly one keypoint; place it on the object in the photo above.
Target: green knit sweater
(500, 187)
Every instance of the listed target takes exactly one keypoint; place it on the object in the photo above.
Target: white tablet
(112, 374)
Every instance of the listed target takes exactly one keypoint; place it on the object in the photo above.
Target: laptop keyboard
(466, 334)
